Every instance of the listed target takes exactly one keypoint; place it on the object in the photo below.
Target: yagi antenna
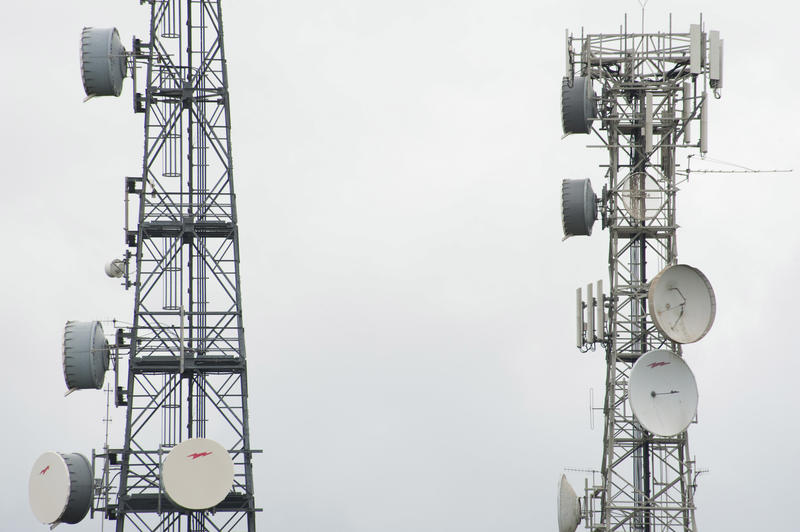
(740, 169)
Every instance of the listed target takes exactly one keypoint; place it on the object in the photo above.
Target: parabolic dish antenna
(578, 105)
(197, 474)
(115, 268)
(103, 61)
(682, 303)
(85, 355)
(578, 207)
(569, 509)
(662, 392)
(642, 196)
(60, 488)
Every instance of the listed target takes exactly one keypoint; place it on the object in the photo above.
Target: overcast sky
(408, 301)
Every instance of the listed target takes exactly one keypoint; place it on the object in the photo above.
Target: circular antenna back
(662, 392)
(85, 355)
(197, 474)
(60, 488)
(578, 207)
(682, 303)
(642, 196)
(578, 107)
(569, 509)
(103, 61)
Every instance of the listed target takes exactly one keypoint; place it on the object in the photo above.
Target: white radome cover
(674, 404)
(197, 474)
(569, 510)
(115, 268)
(682, 303)
(48, 487)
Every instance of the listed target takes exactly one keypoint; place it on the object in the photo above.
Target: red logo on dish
(657, 364)
(43, 471)
(195, 456)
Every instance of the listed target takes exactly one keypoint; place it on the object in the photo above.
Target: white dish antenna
(642, 196)
(682, 303)
(115, 268)
(569, 508)
(662, 392)
(197, 474)
(60, 488)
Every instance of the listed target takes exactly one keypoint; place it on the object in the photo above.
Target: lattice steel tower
(186, 463)
(640, 93)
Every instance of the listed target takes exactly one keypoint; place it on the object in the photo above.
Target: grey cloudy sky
(408, 300)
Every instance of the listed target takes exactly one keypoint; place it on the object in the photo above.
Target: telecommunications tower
(642, 94)
(180, 369)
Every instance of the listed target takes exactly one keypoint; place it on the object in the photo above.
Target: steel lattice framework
(186, 374)
(650, 91)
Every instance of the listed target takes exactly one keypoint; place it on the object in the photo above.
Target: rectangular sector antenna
(686, 112)
(568, 69)
(695, 49)
(704, 124)
(648, 122)
(715, 59)
(600, 320)
(579, 318)
(589, 314)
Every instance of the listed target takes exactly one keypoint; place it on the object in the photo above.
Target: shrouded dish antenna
(197, 474)
(578, 105)
(569, 509)
(662, 392)
(60, 488)
(578, 207)
(103, 61)
(682, 303)
(85, 355)
(115, 268)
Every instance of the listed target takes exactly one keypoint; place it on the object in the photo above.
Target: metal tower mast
(186, 463)
(187, 372)
(652, 87)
